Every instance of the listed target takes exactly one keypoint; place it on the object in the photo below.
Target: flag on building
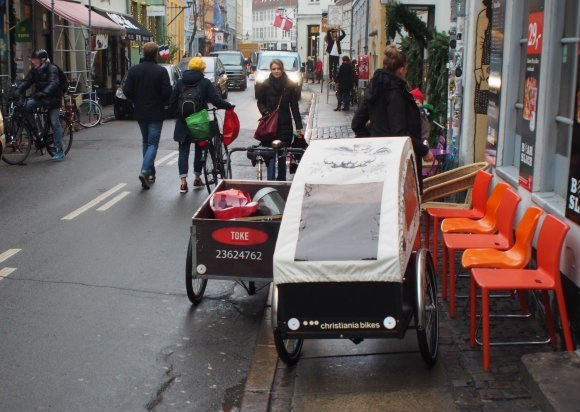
(282, 20)
(164, 52)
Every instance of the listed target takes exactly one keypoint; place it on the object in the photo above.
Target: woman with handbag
(278, 93)
(206, 92)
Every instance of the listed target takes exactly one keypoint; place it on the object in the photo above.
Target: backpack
(190, 100)
(62, 81)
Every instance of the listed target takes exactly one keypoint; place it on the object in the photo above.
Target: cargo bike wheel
(426, 307)
(194, 285)
(289, 350)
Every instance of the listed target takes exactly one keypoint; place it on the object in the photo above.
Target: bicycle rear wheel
(90, 113)
(213, 170)
(18, 144)
(67, 135)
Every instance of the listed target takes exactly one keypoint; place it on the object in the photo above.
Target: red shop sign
(535, 32)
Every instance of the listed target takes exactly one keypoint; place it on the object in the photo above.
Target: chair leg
(444, 273)
(549, 319)
(427, 235)
(451, 257)
(523, 302)
(472, 311)
(485, 323)
(564, 319)
(436, 241)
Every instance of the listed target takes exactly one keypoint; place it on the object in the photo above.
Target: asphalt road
(93, 310)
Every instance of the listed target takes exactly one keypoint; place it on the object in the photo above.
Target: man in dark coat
(333, 49)
(388, 109)
(44, 76)
(345, 80)
(192, 77)
(148, 87)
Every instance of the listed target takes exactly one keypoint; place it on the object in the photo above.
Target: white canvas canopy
(352, 213)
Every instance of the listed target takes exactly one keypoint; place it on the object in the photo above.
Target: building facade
(263, 30)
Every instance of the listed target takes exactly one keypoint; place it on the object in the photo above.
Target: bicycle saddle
(266, 153)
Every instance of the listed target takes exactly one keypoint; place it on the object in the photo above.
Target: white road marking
(112, 201)
(172, 161)
(93, 202)
(5, 272)
(8, 254)
(164, 158)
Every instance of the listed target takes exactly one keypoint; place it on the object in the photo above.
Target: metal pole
(52, 31)
(9, 44)
(90, 54)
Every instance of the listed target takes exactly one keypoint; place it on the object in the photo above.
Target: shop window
(568, 83)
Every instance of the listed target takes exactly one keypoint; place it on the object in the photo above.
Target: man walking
(148, 87)
(345, 80)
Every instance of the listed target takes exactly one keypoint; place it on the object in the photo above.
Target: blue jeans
(31, 106)
(151, 133)
(183, 160)
(281, 166)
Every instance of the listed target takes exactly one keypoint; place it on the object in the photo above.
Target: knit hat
(417, 95)
(197, 64)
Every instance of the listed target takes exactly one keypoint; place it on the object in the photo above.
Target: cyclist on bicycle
(193, 89)
(44, 75)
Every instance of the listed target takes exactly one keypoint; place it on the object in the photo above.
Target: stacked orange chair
(501, 240)
(546, 277)
(487, 224)
(479, 196)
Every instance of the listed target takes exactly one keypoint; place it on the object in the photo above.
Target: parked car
(214, 71)
(292, 67)
(233, 61)
(123, 108)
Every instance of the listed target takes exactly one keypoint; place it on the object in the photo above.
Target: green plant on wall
(437, 78)
(414, 55)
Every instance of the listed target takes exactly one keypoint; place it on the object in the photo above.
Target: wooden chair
(546, 277)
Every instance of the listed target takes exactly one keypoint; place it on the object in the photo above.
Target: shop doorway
(313, 37)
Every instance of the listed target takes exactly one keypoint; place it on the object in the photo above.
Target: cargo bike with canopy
(345, 265)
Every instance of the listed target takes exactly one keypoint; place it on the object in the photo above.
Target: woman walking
(205, 92)
(388, 109)
(278, 90)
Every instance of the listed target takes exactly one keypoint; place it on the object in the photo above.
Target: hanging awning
(79, 14)
(133, 29)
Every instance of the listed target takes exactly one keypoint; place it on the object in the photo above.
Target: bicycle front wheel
(18, 144)
(90, 113)
(67, 135)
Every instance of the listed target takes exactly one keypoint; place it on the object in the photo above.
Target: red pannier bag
(232, 203)
(231, 126)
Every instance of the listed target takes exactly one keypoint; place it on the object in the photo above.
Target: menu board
(530, 98)
(495, 63)
(573, 197)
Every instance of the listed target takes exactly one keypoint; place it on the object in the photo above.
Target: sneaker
(144, 180)
(183, 188)
(58, 156)
(337, 109)
(197, 182)
(151, 179)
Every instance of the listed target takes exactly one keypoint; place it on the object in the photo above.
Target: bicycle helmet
(39, 54)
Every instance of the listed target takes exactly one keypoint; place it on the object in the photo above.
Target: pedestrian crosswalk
(7, 254)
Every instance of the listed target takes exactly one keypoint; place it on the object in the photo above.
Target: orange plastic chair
(487, 224)
(480, 192)
(546, 277)
(503, 239)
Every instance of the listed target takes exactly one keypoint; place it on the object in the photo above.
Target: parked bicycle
(88, 112)
(20, 136)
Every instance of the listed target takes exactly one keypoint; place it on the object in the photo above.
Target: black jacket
(45, 80)
(148, 87)
(209, 93)
(388, 109)
(330, 41)
(268, 97)
(345, 77)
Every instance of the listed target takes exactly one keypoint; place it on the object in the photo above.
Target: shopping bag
(198, 125)
(267, 129)
(231, 127)
(232, 203)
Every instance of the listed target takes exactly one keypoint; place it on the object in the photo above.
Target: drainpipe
(9, 48)
(367, 28)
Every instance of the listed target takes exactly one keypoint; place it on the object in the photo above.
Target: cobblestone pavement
(503, 388)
